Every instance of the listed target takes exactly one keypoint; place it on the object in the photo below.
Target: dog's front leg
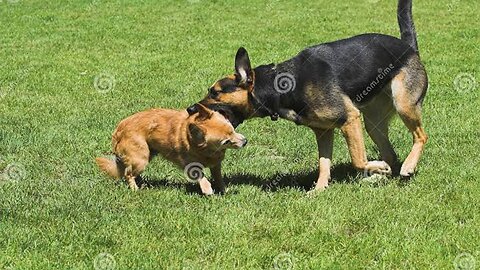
(218, 184)
(325, 150)
(205, 186)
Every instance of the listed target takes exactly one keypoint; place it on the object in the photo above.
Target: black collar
(260, 106)
(266, 71)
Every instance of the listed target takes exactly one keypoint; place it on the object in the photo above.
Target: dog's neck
(266, 96)
(200, 152)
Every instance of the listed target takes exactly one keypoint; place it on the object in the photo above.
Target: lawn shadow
(148, 182)
(341, 173)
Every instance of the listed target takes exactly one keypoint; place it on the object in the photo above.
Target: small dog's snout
(245, 141)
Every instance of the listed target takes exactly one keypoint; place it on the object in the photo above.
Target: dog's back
(159, 128)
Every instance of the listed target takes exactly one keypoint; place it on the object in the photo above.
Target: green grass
(62, 213)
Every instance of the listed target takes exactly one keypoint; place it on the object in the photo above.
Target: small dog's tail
(405, 21)
(113, 167)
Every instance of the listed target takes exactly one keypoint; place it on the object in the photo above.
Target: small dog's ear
(197, 135)
(192, 110)
(243, 68)
(203, 112)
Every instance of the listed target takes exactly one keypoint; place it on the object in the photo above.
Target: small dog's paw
(133, 187)
(377, 167)
(208, 192)
(317, 190)
(206, 187)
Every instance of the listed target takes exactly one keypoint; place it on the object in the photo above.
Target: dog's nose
(245, 141)
(192, 110)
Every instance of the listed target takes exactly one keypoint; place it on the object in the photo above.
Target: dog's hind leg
(376, 117)
(408, 90)
(135, 157)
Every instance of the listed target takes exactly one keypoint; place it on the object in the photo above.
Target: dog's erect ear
(197, 135)
(203, 112)
(243, 67)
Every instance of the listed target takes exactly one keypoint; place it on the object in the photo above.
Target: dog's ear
(197, 135)
(203, 112)
(243, 68)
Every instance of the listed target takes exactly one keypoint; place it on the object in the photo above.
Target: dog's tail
(405, 21)
(113, 167)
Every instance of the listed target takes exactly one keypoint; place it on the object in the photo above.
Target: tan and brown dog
(191, 142)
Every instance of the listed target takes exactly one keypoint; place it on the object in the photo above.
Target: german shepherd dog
(329, 85)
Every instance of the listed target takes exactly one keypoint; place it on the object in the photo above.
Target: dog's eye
(213, 93)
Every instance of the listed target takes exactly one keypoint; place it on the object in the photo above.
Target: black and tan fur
(335, 83)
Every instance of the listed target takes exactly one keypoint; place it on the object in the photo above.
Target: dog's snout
(192, 110)
(241, 140)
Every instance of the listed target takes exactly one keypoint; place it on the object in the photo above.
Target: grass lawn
(58, 211)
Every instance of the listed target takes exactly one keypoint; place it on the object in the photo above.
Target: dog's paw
(208, 192)
(133, 187)
(377, 167)
(317, 190)
(206, 187)
(407, 171)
